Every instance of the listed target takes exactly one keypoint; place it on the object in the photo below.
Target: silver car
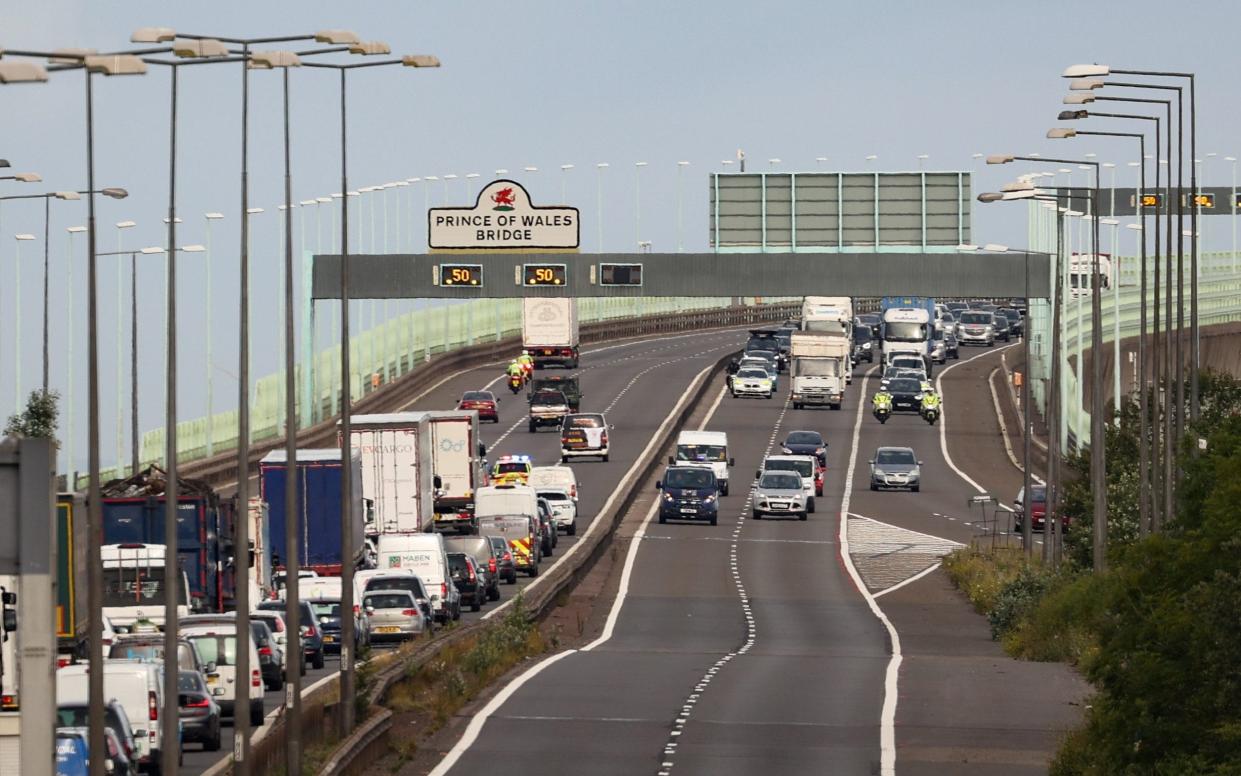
(895, 467)
(779, 493)
(976, 327)
(394, 615)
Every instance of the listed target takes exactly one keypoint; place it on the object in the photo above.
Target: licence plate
(688, 511)
(388, 629)
(329, 639)
(213, 679)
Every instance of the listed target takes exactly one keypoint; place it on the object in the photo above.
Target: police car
(751, 381)
(511, 470)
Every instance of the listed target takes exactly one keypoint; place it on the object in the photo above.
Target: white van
(138, 685)
(704, 448)
(506, 500)
(328, 587)
(217, 643)
(424, 554)
(554, 478)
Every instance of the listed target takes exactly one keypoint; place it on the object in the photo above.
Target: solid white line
(887, 717)
(622, 487)
(476, 724)
(943, 420)
(906, 530)
(914, 578)
(632, 554)
(999, 416)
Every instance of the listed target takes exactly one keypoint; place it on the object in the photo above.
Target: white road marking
(914, 578)
(999, 416)
(480, 719)
(887, 716)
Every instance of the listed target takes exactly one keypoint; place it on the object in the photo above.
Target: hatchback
(465, 576)
(394, 615)
(199, 713)
(505, 566)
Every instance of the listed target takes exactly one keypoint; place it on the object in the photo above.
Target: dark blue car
(688, 493)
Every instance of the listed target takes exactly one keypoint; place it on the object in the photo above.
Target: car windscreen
(977, 319)
(1039, 492)
(777, 481)
(554, 495)
(804, 438)
(763, 343)
(410, 583)
(476, 396)
(548, 397)
(700, 453)
(862, 334)
(904, 385)
(221, 650)
(394, 600)
(895, 457)
(689, 478)
(803, 468)
(125, 650)
(512, 467)
(753, 374)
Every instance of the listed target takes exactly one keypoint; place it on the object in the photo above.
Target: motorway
(760, 645)
(635, 382)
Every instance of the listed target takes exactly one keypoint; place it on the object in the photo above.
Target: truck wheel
(836, 406)
(564, 459)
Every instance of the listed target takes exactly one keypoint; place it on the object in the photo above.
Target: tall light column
(210, 336)
(601, 166)
(1115, 281)
(680, 166)
(70, 435)
(121, 226)
(17, 322)
(564, 177)
(637, 200)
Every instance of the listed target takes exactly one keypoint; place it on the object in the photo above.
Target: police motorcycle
(931, 409)
(881, 406)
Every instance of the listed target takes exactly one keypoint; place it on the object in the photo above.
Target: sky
(533, 84)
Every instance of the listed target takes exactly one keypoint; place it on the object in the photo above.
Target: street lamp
(599, 168)
(680, 166)
(564, 170)
(209, 333)
(22, 177)
(637, 200)
(820, 160)
(922, 160)
(121, 226)
(17, 324)
(346, 433)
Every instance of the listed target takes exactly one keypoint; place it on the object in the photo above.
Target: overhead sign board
(503, 218)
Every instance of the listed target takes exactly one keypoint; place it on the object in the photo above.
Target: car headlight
(762, 502)
(877, 472)
(709, 499)
(918, 396)
(865, 346)
(668, 497)
(785, 450)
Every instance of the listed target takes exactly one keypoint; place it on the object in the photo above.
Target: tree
(39, 419)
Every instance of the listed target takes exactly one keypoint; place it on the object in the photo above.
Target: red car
(484, 402)
(819, 473)
(1038, 509)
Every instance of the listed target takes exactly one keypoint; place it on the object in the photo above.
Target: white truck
(819, 369)
(549, 331)
(828, 314)
(260, 577)
(457, 459)
(133, 584)
(397, 470)
(906, 330)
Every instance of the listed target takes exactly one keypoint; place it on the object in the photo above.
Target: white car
(564, 510)
(751, 381)
(804, 466)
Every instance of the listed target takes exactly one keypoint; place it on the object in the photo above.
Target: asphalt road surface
(750, 646)
(635, 383)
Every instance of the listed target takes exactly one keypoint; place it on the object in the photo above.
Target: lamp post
(70, 436)
(637, 200)
(1098, 474)
(922, 160)
(346, 433)
(17, 323)
(600, 167)
(1232, 206)
(819, 160)
(209, 335)
(564, 177)
(120, 322)
(680, 166)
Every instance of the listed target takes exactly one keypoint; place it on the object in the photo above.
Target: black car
(871, 320)
(906, 394)
(806, 443)
(864, 345)
(505, 566)
(271, 662)
(465, 576)
(200, 714)
(768, 341)
(311, 633)
(328, 613)
(1014, 319)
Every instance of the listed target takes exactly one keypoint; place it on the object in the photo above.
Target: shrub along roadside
(1159, 634)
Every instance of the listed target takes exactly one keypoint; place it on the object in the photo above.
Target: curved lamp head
(70, 56)
(1000, 159)
(1086, 71)
(1078, 99)
(115, 192)
(115, 64)
(420, 60)
(153, 35)
(269, 60)
(996, 247)
(370, 47)
(1086, 84)
(22, 73)
(1072, 115)
(199, 49)
(28, 177)
(336, 37)
(1060, 133)
(66, 195)
(1017, 186)
(990, 196)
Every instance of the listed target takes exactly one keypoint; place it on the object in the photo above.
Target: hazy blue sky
(545, 84)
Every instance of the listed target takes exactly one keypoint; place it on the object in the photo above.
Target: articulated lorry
(396, 456)
(133, 515)
(549, 331)
(819, 369)
(318, 487)
(458, 462)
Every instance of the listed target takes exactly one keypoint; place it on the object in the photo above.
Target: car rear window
(388, 601)
(584, 421)
(475, 396)
(221, 650)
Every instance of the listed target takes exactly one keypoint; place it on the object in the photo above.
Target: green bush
(1062, 627)
(982, 575)
(1017, 598)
